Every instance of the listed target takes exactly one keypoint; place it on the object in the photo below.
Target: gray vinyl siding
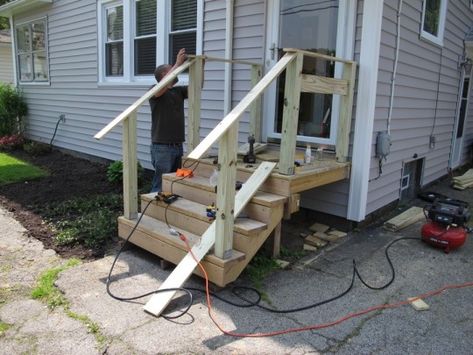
(333, 198)
(418, 110)
(6, 68)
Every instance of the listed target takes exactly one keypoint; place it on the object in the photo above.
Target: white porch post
(365, 108)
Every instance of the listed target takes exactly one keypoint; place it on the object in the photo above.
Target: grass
(48, 293)
(4, 327)
(45, 289)
(15, 170)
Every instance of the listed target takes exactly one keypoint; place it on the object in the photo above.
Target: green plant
(4, 327)
(36, 148)
(115, 171)
(88, 221)
(45, 289)
(13, 109)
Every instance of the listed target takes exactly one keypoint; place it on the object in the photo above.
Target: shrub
(36, 148)
(8, 143)
(88, 221)
(13, 109)
(115, 172)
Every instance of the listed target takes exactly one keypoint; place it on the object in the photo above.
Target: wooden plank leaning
(233, 115)
(130, 162)
(134, 107)
(181, 273)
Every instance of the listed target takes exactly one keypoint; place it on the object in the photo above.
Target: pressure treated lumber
(229, 119)
(408, 217)
(181, 273)
(196, 76)
(130, 163)
(322, 85)
(292, 94)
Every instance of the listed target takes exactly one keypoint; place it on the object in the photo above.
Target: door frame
(457, 143)
(346, 27)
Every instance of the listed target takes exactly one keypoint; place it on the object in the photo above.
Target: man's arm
(181, 58)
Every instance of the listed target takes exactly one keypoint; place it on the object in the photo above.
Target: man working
(167, 126)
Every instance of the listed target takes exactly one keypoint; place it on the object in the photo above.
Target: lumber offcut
(408, 217)
(464, 181)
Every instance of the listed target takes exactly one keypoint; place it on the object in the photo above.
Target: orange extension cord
(315, 326)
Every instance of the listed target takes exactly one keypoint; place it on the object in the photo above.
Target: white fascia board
(15, 7)
(365, 108)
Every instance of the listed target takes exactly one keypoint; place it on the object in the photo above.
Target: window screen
(114, 43)
(145, 37)
(183, 27)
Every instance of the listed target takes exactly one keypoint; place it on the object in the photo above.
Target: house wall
(88, 105)
(6, 68)
(425, 96)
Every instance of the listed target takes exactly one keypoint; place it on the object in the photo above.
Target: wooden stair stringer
(184, 269)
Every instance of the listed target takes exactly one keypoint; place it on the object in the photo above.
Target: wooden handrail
(319, 55)
(224, 60)
(134, 107)
(223, 126)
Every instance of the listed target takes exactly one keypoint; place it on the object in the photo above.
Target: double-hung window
(138, 35)
(31, 51)
(434, 13)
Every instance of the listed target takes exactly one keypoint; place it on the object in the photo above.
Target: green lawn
(15, 170)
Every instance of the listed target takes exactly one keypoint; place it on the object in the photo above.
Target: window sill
(34, 83)
(427, 37)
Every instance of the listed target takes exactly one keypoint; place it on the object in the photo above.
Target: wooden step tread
(245, 226)
(159, 230)
(262, 198)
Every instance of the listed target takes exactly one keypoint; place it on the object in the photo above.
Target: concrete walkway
(445, 328)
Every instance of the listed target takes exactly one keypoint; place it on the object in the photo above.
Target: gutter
(15, 7)
(13, 41)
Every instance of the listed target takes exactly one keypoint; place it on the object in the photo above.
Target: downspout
(13, 40)
(227, 96)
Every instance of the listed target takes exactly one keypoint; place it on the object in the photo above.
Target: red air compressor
(446, 228)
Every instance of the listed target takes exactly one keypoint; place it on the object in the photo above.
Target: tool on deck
(250, 158)
(184, 173)
(211, 211)
(166, 197)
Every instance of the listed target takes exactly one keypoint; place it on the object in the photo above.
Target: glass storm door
(311, 25)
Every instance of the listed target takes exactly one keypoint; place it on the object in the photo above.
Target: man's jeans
(166, 158)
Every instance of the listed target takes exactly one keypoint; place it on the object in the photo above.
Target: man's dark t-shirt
(167, 112)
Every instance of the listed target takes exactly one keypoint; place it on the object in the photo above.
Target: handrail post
(130, 162)
(195, 92)
(292, 94)
(346, 106)
(225, 202)
(255, 109)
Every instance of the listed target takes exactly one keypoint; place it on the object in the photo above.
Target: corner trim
(365, 108)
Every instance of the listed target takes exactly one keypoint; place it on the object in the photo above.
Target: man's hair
(161, 71)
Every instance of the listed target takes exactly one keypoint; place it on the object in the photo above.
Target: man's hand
(181, 57)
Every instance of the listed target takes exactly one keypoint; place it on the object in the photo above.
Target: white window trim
(163, 26)
(443, 15)
(17, 63)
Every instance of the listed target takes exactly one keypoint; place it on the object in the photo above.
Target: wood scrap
(418, 304)
(337, 233)
(315, 241)
(283, 264)
(308, 247)
(326, 237)
(408, 217)
(319, 227)
(464, 181)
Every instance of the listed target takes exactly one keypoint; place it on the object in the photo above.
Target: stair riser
(279, 186)
(252, 210)
(196, 226)
(170, 253)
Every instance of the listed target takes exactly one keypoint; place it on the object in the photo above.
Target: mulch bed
(69, 177)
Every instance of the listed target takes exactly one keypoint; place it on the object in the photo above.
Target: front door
(323, 26)
(459, 128)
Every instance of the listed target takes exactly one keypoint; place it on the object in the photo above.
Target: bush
(8, 143)
(36, 148)
(88, 221)
(115, 172)
(13, 109)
